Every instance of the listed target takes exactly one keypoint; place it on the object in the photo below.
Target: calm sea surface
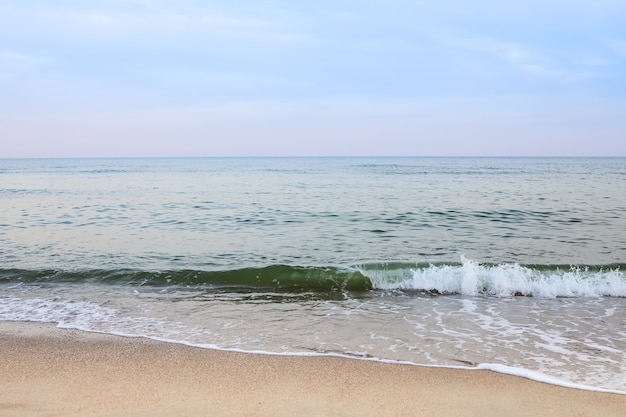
(512, 264)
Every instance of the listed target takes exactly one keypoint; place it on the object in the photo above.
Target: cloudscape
(278, 78)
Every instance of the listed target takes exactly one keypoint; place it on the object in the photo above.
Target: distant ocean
(510, 264)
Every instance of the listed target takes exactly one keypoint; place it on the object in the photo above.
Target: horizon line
(309, 156)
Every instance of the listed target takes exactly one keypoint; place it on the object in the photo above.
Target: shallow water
(439, 261)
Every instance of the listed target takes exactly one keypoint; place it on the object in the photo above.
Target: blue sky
(222, 78)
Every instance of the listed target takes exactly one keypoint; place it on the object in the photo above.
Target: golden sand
(45, 371)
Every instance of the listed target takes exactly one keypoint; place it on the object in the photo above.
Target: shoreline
(52, 371)
(492, 367)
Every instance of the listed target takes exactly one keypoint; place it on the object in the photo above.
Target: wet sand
(45, 371)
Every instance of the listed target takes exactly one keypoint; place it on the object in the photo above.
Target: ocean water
(511, 264)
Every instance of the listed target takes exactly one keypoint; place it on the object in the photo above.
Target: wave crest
(505, 280)
(468, 278)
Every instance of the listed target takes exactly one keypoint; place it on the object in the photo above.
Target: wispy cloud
(146, 19)
(13, 62)
(171, 23)
(617, 46)
(512, 52)
(571, 76)
(521, 57)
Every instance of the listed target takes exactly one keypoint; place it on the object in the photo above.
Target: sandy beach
(54, 372)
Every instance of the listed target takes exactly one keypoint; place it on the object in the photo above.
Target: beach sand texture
(46, 371)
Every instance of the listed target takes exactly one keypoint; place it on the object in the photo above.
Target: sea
(509, 264)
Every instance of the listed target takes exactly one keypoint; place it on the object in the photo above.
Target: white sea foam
(47, 318)
(572, 342)
(53, 311)
(540, 377)
(504, 280)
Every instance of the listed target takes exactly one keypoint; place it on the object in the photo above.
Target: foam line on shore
(499, 368)
(52, 371)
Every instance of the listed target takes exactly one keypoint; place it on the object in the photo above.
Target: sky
(144, 78)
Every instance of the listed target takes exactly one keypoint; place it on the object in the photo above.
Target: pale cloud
(524, 59)
(170, 23)
(562, 76)
(107, 23)
(522, 9)
(12, 63)
(512, 52)
(516, 54)
(617, 46)
(16, 60)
